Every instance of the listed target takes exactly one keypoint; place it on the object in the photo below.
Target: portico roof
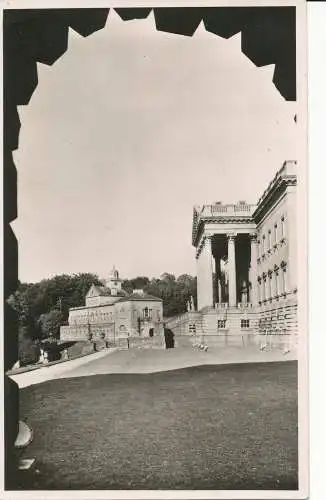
(219, 213)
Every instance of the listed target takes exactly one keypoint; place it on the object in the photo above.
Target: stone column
(253, 269)
(205, 274)
(232, 270)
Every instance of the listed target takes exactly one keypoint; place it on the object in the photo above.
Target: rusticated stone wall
(273, 325)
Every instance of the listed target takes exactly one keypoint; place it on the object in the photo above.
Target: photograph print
(155, 251)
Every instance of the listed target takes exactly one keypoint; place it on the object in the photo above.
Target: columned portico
(238, 252)
(232, 270)
(221, 237)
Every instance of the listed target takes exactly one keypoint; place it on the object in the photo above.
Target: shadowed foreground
(205, 427)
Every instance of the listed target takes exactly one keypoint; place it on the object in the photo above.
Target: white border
(302, 279)
(317, 183)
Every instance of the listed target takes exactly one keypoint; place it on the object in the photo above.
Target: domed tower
(114, 282)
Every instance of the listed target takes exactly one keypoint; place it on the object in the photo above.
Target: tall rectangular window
(264, 288)
(147, 313)
(259, 291)
(284, 280)
(282, 227)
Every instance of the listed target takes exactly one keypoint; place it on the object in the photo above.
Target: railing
(180, 318)
(241, 305)
(219, 208)
(221, 305)
(240, 210)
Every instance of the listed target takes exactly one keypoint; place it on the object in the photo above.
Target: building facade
(246, 258)
(110, 313)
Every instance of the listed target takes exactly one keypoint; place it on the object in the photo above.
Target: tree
(32, 300)
(50, 323)
(135, 284)
(175, 293)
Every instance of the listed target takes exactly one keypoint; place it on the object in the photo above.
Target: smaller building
(110, 313)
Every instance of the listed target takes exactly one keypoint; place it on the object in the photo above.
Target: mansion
(112, 314)
(246, 259)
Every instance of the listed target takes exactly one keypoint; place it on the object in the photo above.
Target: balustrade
(221, 305)
(242, 305)
(229, 209)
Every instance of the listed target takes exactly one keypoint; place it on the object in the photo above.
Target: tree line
(44, 306)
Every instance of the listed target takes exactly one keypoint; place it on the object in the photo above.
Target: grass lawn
(205, 427)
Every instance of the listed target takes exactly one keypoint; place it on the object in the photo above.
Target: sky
(129, 130)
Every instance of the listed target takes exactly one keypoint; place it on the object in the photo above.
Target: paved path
(56, 371)
(156, 360)
(146, 361)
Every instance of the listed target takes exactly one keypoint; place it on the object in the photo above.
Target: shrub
(28, 351)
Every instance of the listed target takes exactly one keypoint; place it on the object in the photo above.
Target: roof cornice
(277, 187)
(198, 231)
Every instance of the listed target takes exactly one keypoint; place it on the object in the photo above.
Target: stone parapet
(81, 332)
(140, 342)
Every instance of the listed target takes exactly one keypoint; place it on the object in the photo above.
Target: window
(284, 283)
(275, 234)
(192, 328)
(259, 289)
(263, 245)
(269, 240)
(245, 323)
(282, 227)
(277, 285)
(221, 323)
(147, 313)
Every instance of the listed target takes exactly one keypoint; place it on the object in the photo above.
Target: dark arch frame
(41, 35)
